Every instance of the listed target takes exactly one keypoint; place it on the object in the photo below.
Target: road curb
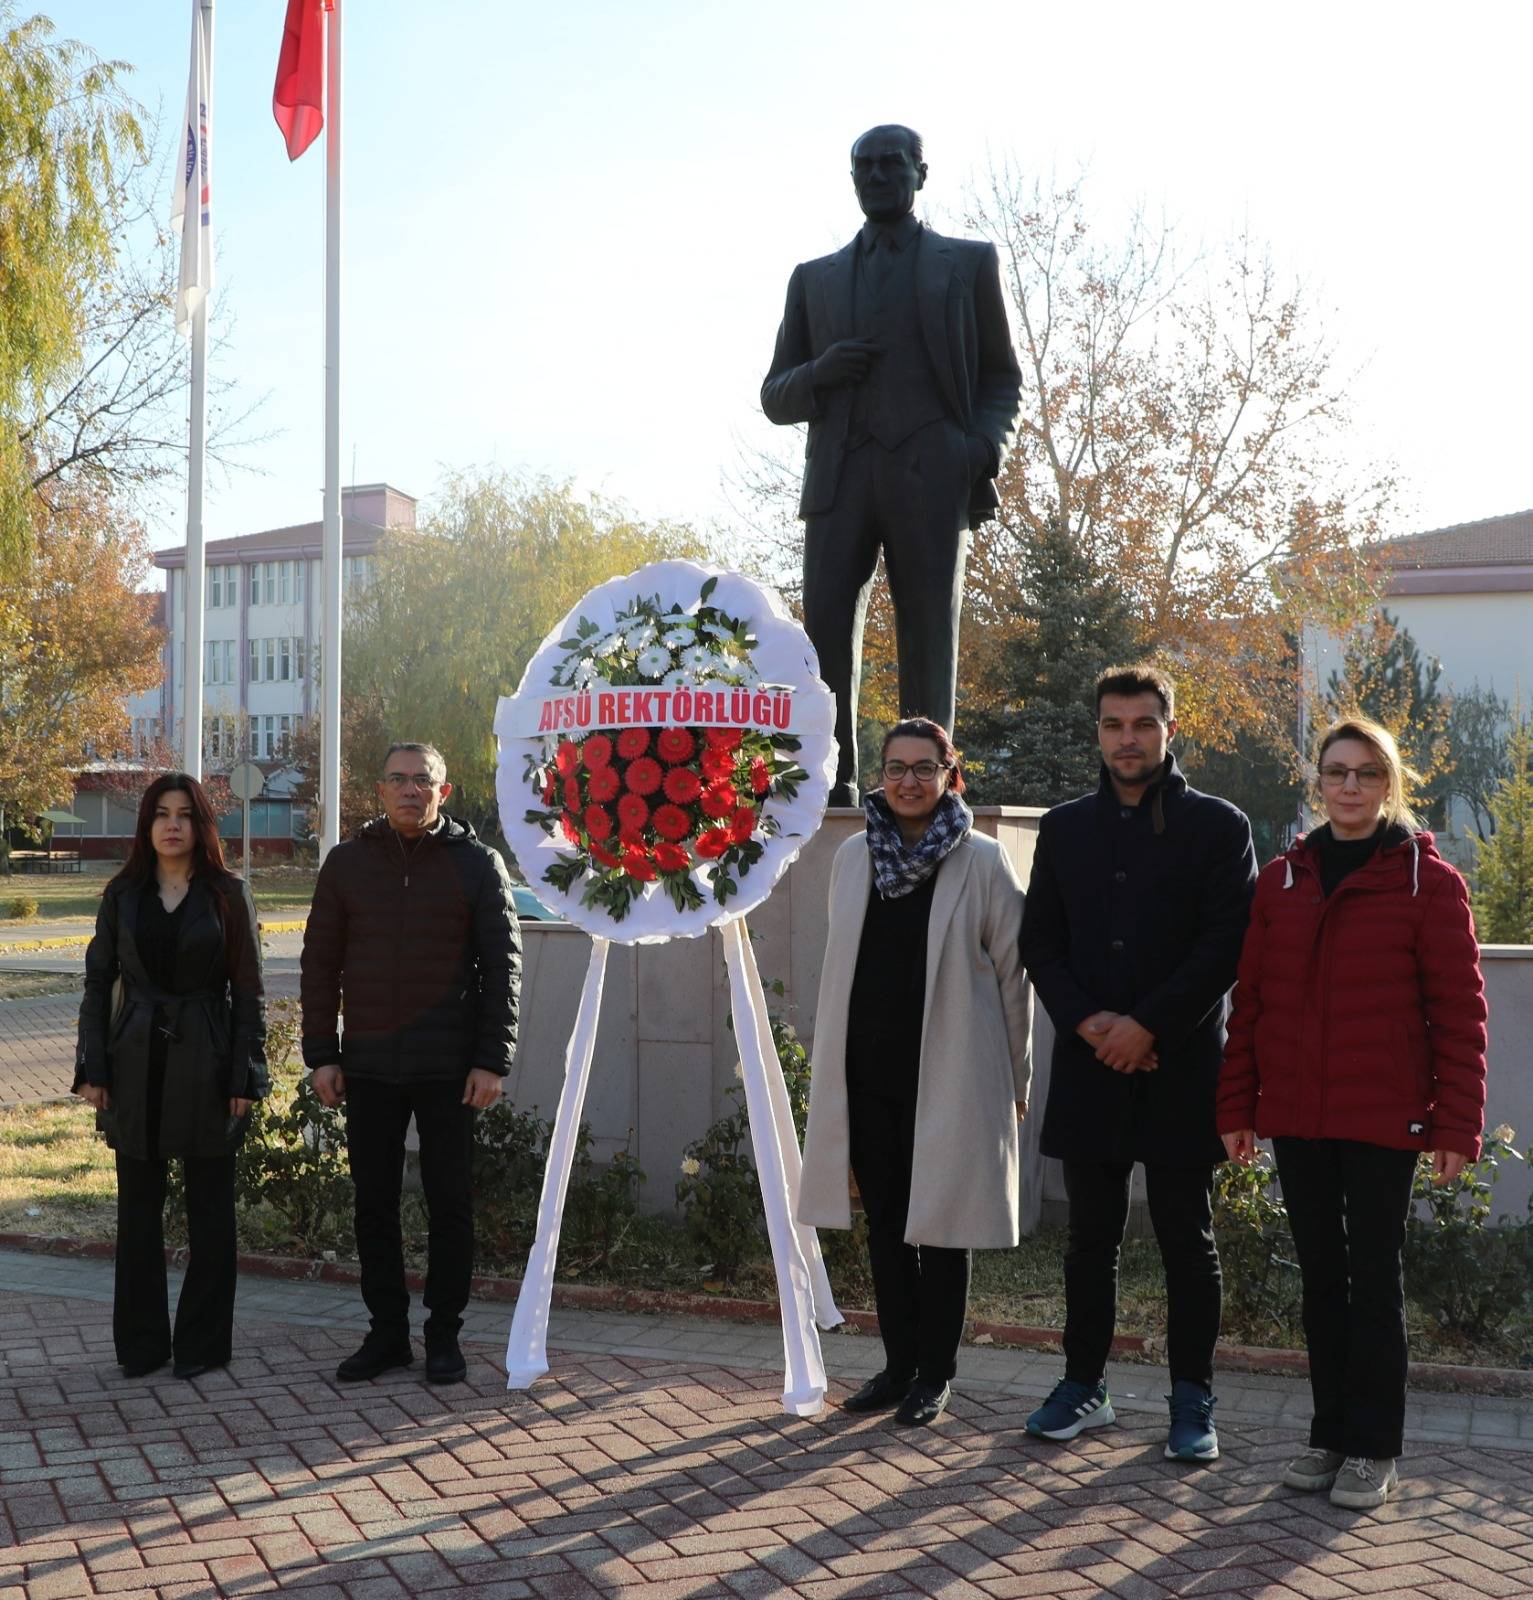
(1426, 1375)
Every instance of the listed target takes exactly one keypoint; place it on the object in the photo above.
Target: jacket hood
(1398, 840)
(449, 830)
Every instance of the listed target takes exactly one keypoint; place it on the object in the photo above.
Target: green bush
(1262, 1290)
(1470, 1279)
(720, 1196)
(21, 907)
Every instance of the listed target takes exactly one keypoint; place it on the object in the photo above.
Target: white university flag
(189, 210)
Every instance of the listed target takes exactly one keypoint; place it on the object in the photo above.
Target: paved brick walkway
(37, 1047)
(627, 1475)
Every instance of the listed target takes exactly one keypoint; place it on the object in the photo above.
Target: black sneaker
(375, 1357)
(880, 1393)
(923, 1405)
(444, 1360)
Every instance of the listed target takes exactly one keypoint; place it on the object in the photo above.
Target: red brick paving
(619, 1478)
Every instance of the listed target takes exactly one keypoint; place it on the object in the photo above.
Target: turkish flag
(298, 100)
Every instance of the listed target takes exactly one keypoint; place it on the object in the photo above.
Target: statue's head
(887, 169)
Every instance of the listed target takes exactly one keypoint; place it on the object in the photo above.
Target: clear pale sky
(569, 227)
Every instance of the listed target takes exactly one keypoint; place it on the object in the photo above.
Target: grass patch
(32, 985)
(56, 1175)
(65, 895)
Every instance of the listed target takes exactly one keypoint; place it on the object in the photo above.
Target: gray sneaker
(1315, 1469)
(1364, 1482)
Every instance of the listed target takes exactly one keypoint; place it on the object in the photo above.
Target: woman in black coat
(172, 1051)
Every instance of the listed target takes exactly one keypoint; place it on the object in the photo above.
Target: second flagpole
(330, 666)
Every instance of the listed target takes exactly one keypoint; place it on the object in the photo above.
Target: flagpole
(330, 668)
(196, 576)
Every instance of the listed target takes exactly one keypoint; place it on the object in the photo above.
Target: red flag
(298, 101)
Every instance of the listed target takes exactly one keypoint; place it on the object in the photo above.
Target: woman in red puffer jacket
(1357, 1042)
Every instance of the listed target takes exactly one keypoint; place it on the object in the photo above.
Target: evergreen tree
(1503, 899)
(1038, 747)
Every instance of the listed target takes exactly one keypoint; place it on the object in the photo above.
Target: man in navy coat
(895, 350)
(1135, 915)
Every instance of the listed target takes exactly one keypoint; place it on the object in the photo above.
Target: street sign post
(246, 781)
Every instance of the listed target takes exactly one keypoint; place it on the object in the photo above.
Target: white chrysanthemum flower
(690, 1167)
(718, 630)
(697, 658)
(610, 645)
(679, 638)
(586, 672)
(676, 680)
(740, 1071)
(637, 638)
(654, 661)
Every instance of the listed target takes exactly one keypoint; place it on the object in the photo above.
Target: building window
(300, 574)
(228, 645)
(254, 667)
(269, 656)
(284, 660)
(231, 586)
(255, 736)
(213, 661)
(215, 587)
(284, 736)
(300, 657)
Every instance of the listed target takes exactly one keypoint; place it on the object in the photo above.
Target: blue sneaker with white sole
(1192, 1436)
(1070, 1409)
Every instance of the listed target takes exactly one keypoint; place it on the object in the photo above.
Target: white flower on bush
(690, 1166)
(654, 661)
(679, 638)
(740, 1071)
(1505, 1132)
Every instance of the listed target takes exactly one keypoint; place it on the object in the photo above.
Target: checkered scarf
(897, 867)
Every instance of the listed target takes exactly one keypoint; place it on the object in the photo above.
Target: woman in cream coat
(922, 1061)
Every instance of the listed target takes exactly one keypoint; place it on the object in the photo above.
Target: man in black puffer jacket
(414, 924)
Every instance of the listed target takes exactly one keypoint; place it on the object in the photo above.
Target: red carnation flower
(638, 865)
(598, 821)
(719, 799)
(742, 824)
(550, 788)
(671, 822)
(671, 857)
(643, 776)
(568, 758)
(632, 812)
(724, 738)
(603, 784)
(572, 793)
(717, 765)
(596, 751)
(761, 775)
(682, 786)
(600, 853)
(632, 742)
(674, 745)
(713, 843)
(571, 827)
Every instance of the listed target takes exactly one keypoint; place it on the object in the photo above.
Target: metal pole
(196, 569)
(330, 668)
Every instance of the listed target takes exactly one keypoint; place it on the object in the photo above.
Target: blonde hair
(1382, 742)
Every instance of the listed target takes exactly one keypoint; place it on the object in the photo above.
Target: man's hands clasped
(1119, 1042)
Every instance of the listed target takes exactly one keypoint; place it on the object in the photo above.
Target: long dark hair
(207, 848)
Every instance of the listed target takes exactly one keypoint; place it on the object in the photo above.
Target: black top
(158, 933)
(1338, 857)
(888, 1005)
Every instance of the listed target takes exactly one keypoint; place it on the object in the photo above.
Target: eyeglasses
(406, 780)
(1334, 776)
(925, 770)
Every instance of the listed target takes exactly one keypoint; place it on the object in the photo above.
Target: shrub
(1468, 1277)
(720, 1195)
(1262, 1289)
(21, 907)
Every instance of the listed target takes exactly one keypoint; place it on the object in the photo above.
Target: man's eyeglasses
(409, 780)
(925, 770)
(1334, 776)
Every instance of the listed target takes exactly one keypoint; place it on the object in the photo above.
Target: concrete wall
(665, 1057)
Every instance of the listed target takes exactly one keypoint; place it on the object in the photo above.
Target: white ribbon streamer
(527, 1344)
(804, 1377)
(825, 1311)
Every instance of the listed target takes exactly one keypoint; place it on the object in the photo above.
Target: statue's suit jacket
(963, 319)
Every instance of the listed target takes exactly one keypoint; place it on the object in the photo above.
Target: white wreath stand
(803, 1289)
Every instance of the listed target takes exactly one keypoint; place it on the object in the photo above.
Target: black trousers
(921, 1291)
(1180, 1201)
(913, 502)
(1347, 1204)
(377, 1118)
(204, 1331)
